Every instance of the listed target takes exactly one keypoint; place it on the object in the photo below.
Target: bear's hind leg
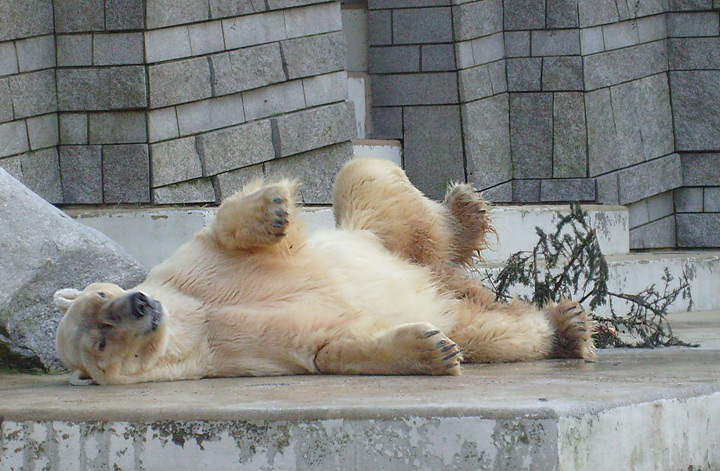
(261, 215)
(470, 221)
(573, 330)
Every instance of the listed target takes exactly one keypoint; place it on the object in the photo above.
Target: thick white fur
(251, 295)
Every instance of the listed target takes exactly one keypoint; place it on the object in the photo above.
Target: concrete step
(630, 410)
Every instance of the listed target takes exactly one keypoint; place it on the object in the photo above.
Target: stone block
(625, 102)
(36, 53)
(126, 173)
(250, 30)
(73, 128)
(631, 9)
(694, 53)
(555, 42)
(33, 93)
(13, 136)
(380, 27)
(206, 37)
(619, 35)
(415, 89)
(8, 59)
(41, 173)
(488, 49)
(313, 19)
(607, 190)
(316, 170)
(638, 214)
(127, 87)
(700, 169)
(229, 183)
(526, 191)
(476, 19)
(376, 4)
(680, 25)
(328, 51)
(655, 235)
(278, 4)
(654, 115)
(597, 12)
(524, 74)
(236, 147)
(649, 178)
(569, 142)
(711, 199)
(696, 109)
(193, 191)
(25, 18)
(73, 16)
(698, 230)
(487, 141)
(517, 43)
(422, 25)
(567, 190)
(531, 134)
(247, 68)
(74, 50)
(160, 13)
(273, 100)
(499, 194)
(118, 48)
(97, 89)
(324, 89)
(660, 206)
(386, 123)
(652, 28)
(688, 5)
(394, 59)
(174, 161)
(183, 81)
(227, 8)
(12, 166)
(124, 14)
(561, 14)
(43, 131)
(591, 40)
(623, 65)
(688, 200)
(81, 170)
(602, 135)
(163, 124)
(207, 115)
(524, 14)
(123, 127)
(433, 148)
(464, 54)
(311, 129)
(167, 44)
(355, 29)
(475, 83)
(6, 108)
(562, 73)
(498, 76)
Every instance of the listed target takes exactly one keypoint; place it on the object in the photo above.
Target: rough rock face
(44, 250)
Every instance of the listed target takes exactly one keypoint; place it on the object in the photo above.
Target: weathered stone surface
(236, 147)
(36, 53)
(161, 13)
(422, 26)
(73, 128)
(650, 178)
(655, 115)
(433, 148)
(622, 65)
(98, 89)
(193, 191)
(638, 214)
(591, 40)
(162, 124)
(183, 81)
(596, 12)
(531, 129)
(487, 141)
(124, 14)
(315, 170)
(517, 43)
(682, 5)
(689, 200)
(25, 18)
(569, 143)
(660, 206)
(225, 8)
(380, 27)
(603, 145)
(499, 194)
(174, 161)
(8, 59)
(81, 170)
(693, 24)
(72, 16)
(476, 19)
(247, 68)
(524, 74)
(711, 199)
(475, 83)
(694, 53)
(415, 89)
(250, 30)
(700, 169)
(386, 123)
(41, 174)
(555, 42)
(561, 14)
(526, 191)
(12, 166)
(607, 189)
(698, 230)
(33, 93)
(524, 14)
(117, 127)
(567, 189)
(126, 173)
(623, 34)
(118, 49)
(74, 49)
(229, 183)
(488, 49)
(327, 51)
(696, 109)
(314, 19)
(167, 44)
(562, 73)
(311, 129)
(207, 115)
(13, 136)
(206, 37)
(652, 28)
(394, 59)
(273, 100)
(628, 128)
(654, 235)
(324, 89)
(6, 109)
(46, 251)
(374, 4)
(43, 131)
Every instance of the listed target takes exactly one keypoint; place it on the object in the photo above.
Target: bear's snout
(141, 305)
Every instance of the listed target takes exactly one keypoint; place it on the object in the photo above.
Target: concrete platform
(630, 410)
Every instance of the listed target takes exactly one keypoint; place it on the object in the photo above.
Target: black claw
(430, 333)
(280, 222)
(447, 367)
(280, 212)
(449, 347)
(279, 235)
(278, 199)
(441, 343)
(447, 357)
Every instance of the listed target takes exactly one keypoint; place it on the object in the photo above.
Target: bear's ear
(64, 297)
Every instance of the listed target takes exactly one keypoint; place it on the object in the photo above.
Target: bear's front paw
(276, 211)
(424, 349)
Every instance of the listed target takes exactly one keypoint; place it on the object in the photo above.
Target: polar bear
(385, 293)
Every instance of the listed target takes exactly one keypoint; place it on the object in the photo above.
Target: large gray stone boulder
(44, 250)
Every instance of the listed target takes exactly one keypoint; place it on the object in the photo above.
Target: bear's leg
(573, 330)
(259, 216)
(470, 221)
(418, 348)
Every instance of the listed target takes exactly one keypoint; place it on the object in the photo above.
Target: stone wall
(171, 101)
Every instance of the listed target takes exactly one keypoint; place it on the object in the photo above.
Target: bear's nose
(140, 305)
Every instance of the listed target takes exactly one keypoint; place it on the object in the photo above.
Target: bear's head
(103, 325)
